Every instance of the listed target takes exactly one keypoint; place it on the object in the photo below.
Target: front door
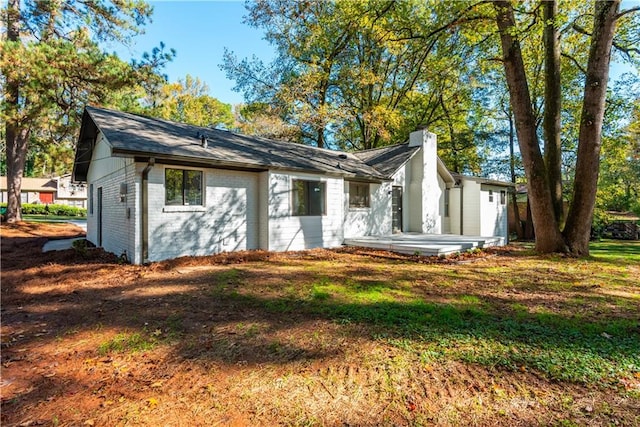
(396, 207)
(99, 216)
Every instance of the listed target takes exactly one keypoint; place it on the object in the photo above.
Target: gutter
(144, 209)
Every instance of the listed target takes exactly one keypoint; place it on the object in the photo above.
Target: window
(183, 187)
(503, 197)
(446, 202)
(490, 196)
(309, 198)
(358, 195)
(91, 199)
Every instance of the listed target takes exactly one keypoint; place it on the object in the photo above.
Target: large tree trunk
(512, 168)
(15, 137)
(578, 227)
(552, 106)
(548, 236)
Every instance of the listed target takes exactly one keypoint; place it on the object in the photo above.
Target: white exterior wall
(454, 210)
(471, 208)
(106, 172)
(424, 185)
(493, 220)
(288, 232)
(227, 221)
(372, 221)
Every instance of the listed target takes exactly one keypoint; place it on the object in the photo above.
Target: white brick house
(160, 190)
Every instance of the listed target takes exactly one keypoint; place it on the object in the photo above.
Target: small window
(358, 195)
(503, 197)
(183, 187)
(91, 199)
(309, 198)
(446, 202)
(490, 196)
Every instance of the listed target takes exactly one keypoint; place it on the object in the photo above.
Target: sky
(199, 31)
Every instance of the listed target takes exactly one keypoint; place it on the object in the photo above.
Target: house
(70, 193)
(159, 190)
(33, 190)
(58, 190)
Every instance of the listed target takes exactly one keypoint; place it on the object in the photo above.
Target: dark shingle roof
(387, 160)
(139, 136)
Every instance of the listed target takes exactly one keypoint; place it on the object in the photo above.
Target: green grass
(51, 218)
(131, 343)
(616, 250)
(576, 335)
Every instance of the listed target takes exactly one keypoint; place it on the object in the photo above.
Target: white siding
(288, 232)
(444, 221)
(107, 173)
(228, 221)
(471, 208)
(372, 221)
(454, 210)
(493, 214)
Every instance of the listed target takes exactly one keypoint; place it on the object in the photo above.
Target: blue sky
(199, 31)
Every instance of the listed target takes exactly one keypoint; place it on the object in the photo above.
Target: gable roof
(141, 137)
(40, 185)
(480, 180)
(389, 159)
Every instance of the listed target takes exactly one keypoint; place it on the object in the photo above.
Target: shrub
(53, 209)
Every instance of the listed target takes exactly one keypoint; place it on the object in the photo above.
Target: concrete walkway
(425, 244)
(64, 244)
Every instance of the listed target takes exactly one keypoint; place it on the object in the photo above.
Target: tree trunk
(552, 105)
(579, 219)
(512, 167)
(548, 236)
(15, 137)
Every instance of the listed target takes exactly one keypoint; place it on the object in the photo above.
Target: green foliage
(52, 209)
(52, 66)
(187, 101)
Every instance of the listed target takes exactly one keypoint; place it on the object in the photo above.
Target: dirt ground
(87, 341)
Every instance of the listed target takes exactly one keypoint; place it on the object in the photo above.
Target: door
(99, 216)
(396, 207)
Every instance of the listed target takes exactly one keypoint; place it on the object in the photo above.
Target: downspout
(144, 200)
(461, 208)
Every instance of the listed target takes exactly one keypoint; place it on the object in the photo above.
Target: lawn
(345, 337)
(52, 218)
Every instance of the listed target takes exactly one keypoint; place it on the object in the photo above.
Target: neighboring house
(160, 190)
(33, 190)
(71, 193)
(58, 190)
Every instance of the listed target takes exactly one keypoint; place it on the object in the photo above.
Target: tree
(357, 75)
(52, 66)
(550, 235)
(188, 101)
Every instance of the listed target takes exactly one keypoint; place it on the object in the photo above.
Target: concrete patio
(425, 244)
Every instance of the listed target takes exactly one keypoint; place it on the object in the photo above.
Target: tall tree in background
(542, 176)
(358, 75)
(52, 66)
(188, 101)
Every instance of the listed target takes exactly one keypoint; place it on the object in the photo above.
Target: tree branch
(627, 11)
(575, 62)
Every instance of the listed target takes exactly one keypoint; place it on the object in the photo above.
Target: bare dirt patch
(309, 338)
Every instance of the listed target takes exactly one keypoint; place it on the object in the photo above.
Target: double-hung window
(358, 195)
(183, 187)
(309, 198)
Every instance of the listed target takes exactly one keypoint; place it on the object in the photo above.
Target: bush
(53, 209)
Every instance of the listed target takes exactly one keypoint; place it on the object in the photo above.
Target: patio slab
(425, 244)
